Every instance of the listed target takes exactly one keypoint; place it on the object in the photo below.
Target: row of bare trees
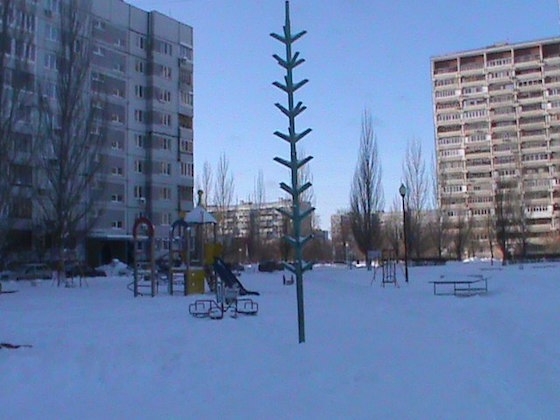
(51, 127)
(438, 225)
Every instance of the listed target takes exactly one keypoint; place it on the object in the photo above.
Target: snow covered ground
(370, 352)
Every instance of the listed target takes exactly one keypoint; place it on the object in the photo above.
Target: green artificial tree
(296, 240)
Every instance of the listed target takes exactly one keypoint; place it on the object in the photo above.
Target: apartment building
(497, 123)
(142, 66)
(240, 220)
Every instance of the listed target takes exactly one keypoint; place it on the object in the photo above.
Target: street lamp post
(402, 192)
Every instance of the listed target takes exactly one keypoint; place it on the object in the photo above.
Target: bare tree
(366, 196)
(491, 234)
(18, 111)
(439, 224)
(393, 227)
(254, 240)
(416, 181)
(506, 202)
(74, 134)
(205, 182)
(223, 195)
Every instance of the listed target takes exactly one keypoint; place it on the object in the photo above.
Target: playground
(195, 266)
(371, 351)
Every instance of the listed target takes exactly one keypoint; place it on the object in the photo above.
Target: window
(186, 97)
(138, 115)
(117, 170)
(165, 72)
(97, 24)
(117, 224)
(50, 61)
(138, 166)
(186, 146)
(139, 91)
(116, 145)
(139, 140)
(117, 198)
(97, 50)
(165, 48)
(52, 33)
(166, 193)
(187, 169)
(166, 220)
(138, 191)
(139, 66)
(116, 118)
(165, 119)
(164, 96)
(116, 91)
(185, 52)
(165, 168)
(25, 50)
(141, 42)
(165, 143)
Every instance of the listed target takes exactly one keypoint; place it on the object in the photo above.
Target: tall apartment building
(142, 65)
(497, 121)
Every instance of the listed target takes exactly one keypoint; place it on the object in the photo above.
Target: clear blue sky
(359, 54)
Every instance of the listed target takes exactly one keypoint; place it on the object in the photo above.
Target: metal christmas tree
(297, 241)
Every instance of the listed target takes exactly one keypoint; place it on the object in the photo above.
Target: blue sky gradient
(360, 54)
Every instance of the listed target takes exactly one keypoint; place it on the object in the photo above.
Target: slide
(229, 278)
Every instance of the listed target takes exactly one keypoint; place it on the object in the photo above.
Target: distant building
(344, 246)
(239, 220)
(497, 120)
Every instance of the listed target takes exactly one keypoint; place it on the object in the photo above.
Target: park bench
(462, 287)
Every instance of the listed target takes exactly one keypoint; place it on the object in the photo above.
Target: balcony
(531, 110)
(551, 69)
(472, 68)
(530, 73)
(532, 123)
(499, 62)
(527, 96)
(527, 60)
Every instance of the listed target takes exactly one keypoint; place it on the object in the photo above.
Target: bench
(478, 285)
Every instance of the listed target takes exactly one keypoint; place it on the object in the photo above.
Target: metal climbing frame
(388, 266)
(144, 260)
(179, 242)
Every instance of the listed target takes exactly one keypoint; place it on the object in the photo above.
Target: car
(270, 266)
(34, 271)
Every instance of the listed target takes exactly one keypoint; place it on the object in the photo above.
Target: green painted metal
(289, 63)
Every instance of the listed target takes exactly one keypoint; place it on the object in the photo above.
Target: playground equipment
(388, 265)
(144, 261)
(179, 250)
(201, 257)
(228, 290)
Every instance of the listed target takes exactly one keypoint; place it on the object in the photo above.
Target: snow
(370, 352)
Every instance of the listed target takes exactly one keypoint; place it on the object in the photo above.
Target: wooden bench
(478, 285)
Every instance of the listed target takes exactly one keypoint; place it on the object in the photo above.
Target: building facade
(247, 218)
(497, 124)
(142, 67)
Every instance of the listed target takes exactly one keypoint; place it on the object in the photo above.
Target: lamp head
(402, 190)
